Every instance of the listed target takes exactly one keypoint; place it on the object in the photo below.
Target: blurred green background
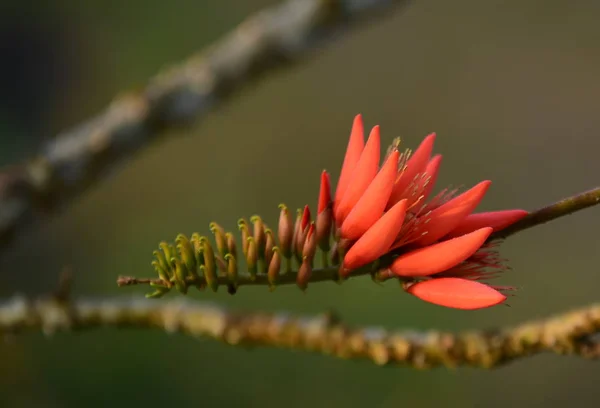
(511, 88)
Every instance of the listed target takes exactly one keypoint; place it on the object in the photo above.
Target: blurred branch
(574, 333)
(75, 159)
(551, 212)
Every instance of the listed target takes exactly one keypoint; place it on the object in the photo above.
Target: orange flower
(384, 212)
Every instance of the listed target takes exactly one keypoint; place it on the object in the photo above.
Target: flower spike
(381, 221)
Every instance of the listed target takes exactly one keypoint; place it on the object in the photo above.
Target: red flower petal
(378, 239)
(324, 193)
(363, 174)
(439, 257)
(415, 165)
(354, 149)
(371, 205)
(457, 293)
(498, 220)
(448, 216)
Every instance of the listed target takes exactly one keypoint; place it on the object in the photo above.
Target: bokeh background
(511, 88)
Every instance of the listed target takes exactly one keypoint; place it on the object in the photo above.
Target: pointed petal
(371, 205)
(353, 151)
(378, 239)
(363, 175)
(449, 215)
(498, 220)
(457, 293)
(415, 165)
(324, 192)
(441, 256)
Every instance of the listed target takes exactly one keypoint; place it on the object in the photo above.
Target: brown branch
(78, 157)
(574, 333)
(551, 212)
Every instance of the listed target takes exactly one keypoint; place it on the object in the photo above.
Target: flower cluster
(381, 220)
(437, 246)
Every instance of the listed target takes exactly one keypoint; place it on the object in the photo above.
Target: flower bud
(232, 273)
(259, 234)
(196, 243)
(161, 273)
(274, 268)
(297, 232)
(186, 252)
(158, 293)
(310, 243)
(285, 231)
(161, 260)
(219, 234)
(269, 245)
(231, 246)
(169, 252)
(245, 232)
(323, 229)
(180, 275)
(210, 267)
(252, 257)
(304, 274)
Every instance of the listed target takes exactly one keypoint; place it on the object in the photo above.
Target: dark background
(511, 88)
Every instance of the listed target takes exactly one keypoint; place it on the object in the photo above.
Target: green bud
(186, 251)
(196, 241)
(162, 262)
(161, 272)
(220, 240)
(169, 251)
(232, 273)
(158, 293)
(211, 278)
(245, 231)
(231, 246)
(181, 273)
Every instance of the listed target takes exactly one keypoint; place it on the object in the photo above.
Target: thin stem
(288, 278)
(574, 333)
(325, 259)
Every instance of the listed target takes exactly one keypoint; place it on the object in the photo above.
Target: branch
(78, 157)
(551, 212)
(574, 333)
